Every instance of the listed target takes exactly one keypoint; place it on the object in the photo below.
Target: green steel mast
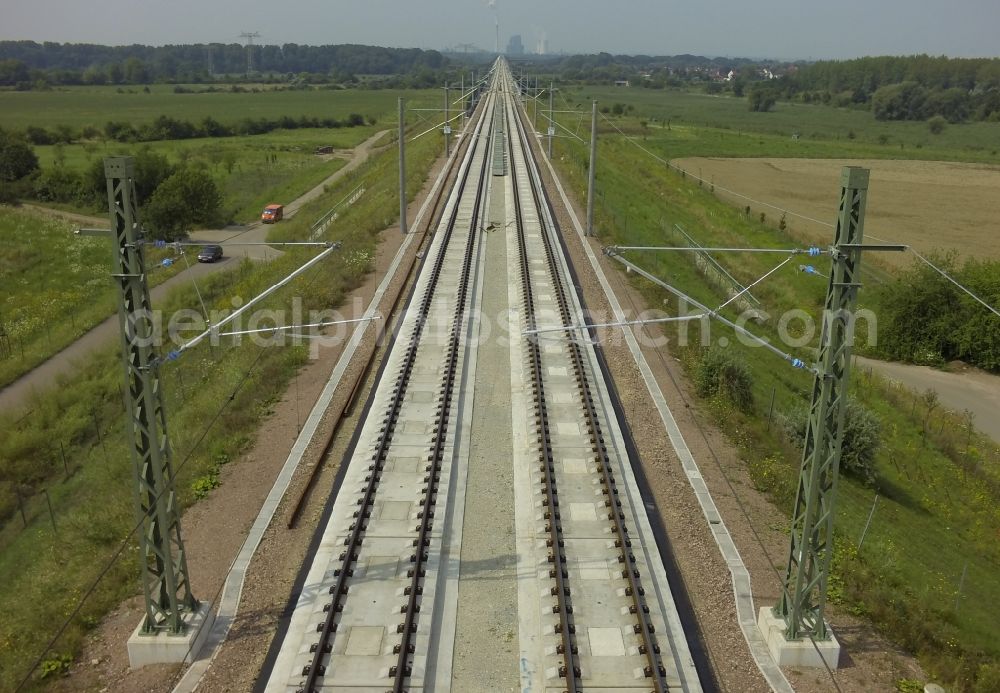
(165, 584)
(804, 598)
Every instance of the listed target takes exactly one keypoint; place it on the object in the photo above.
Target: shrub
(17, 158)
(924, 318)
(937, 124)
(862, 438)
(722, 374)
(58, 185)
(57, 665)
(38, 135)
(203, 485)
(186, 199)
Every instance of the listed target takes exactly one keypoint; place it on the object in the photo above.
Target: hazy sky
(758, 28)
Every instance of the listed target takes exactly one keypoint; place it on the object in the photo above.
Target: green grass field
(935, 516)
(705, 125)
(54, 286)
(81, 106)
(251, 171)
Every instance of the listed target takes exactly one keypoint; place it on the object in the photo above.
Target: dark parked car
(210, 253)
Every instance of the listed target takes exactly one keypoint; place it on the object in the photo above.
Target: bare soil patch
(931, 205)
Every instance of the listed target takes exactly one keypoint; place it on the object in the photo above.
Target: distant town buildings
(542, 47)
(515, 46)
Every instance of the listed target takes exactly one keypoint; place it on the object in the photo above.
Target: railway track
(558, 366)
(378, 606)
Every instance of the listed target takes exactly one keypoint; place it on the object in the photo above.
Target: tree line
(917, 87)
(29, 64)
(169, 128)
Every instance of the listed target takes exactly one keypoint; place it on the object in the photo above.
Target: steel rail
(560, 573)
(406, 648)
(348, 406)
(349, 557)
(644, 627)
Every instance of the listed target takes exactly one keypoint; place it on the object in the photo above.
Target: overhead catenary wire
(282, 328)
(435, 127)
(654, 321)
(194, 280)
(183, 244)
(553, 121)
(955, 282)
(813, 251)
(563, 127)
(795, 362)
(746, 289)
(259, 297)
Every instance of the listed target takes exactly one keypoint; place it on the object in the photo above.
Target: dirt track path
(72, 217)
(18, 393)
(971, 390)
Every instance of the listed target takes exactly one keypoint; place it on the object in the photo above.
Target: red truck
(272, 214)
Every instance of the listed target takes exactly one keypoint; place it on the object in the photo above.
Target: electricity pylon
(803, 600)
(165, 584)
(249, 36)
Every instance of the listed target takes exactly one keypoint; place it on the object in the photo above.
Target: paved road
(973, 390)
(44, 375)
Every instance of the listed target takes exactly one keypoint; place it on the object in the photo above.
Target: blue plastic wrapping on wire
(166, 262)
(173, 355)
(814, 251)
(798, 363)
(159, 244)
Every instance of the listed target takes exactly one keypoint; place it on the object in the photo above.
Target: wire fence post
(20, 506)
(770, 408)
(52, 515)
(180, 380)
(62, 452)
(100, 438)
(868, 523)
(961, 584)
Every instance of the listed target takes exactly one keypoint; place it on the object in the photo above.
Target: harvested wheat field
(931, 205)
